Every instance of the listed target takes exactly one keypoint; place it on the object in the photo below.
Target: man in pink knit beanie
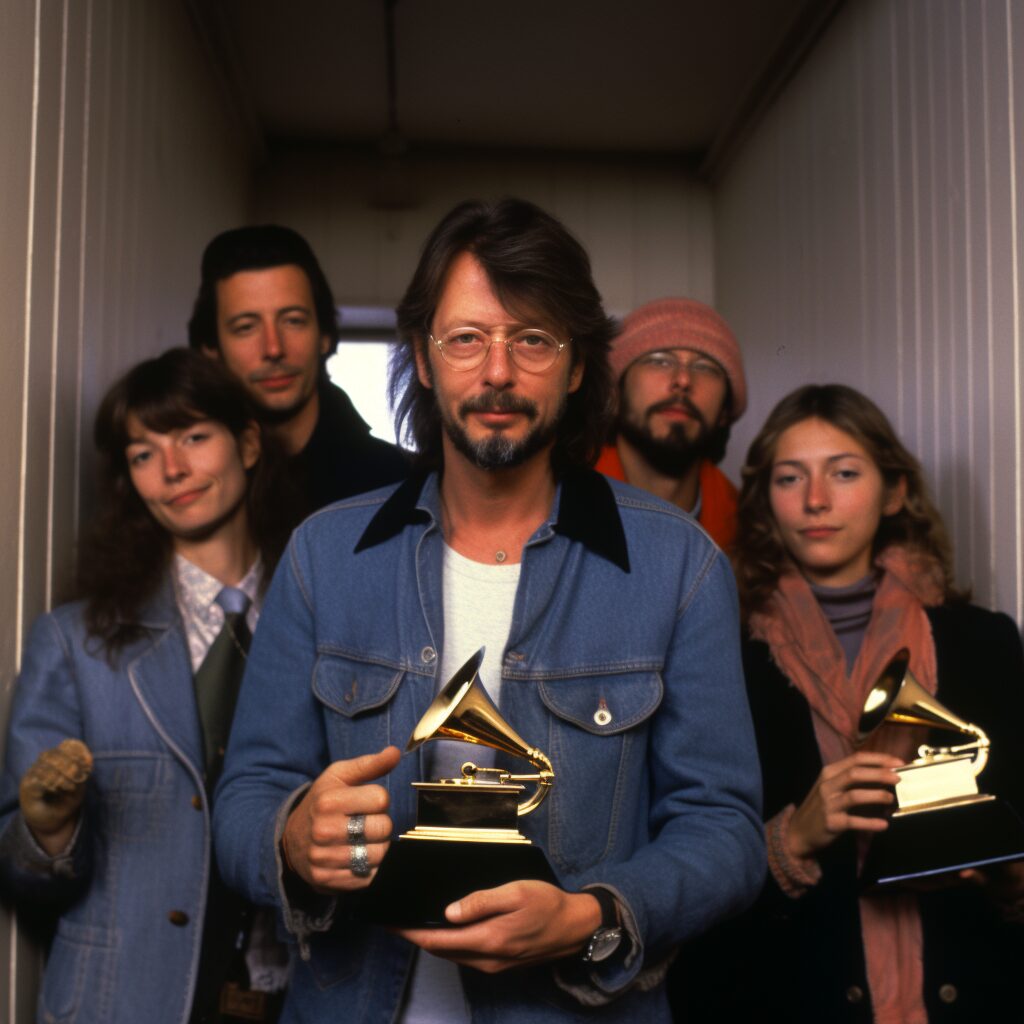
(681, 387)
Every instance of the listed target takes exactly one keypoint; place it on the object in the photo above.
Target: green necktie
(218, 678)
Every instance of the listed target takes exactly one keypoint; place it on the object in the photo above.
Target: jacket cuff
(598, 984)
(793, 875)
(19, 846)
(305, 912)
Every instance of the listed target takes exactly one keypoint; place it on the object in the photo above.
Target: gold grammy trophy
(466, 837)
(942, 822)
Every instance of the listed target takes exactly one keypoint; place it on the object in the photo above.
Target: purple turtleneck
(848, 610)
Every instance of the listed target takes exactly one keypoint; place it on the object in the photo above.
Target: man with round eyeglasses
(681, 387)
(610, 635)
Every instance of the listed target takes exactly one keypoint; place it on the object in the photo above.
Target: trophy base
(419, 878)
(941, 839)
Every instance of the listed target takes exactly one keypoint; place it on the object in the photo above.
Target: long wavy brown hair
(760, 557)
(125, 553)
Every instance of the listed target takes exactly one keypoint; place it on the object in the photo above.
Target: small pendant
(500, 556)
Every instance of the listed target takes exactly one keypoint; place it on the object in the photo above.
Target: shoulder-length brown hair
(125, 552)
(760, 557)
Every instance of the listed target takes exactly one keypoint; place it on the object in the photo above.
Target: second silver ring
(360, 862)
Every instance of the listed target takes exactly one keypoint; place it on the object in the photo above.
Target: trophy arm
(545, 779)
(981, 758)
(980, 748)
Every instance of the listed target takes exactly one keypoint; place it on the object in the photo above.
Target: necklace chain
(500, 556)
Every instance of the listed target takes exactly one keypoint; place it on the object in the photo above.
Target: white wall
(118, 162)
(646, 224)
(870, 233)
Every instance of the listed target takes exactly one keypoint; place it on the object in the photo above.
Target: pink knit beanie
(681, 323)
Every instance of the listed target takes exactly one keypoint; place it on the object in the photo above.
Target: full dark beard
(672, 455)
(498, 451)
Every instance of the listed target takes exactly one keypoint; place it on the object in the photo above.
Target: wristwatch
(608, 936)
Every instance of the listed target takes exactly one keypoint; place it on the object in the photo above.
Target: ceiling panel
(653, 76)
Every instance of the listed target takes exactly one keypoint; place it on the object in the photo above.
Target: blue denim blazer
(132, 890)
(623, 604)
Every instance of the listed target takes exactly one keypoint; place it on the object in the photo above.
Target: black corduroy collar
(587, 513)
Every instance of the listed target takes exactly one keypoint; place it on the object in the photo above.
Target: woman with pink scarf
(841, 561)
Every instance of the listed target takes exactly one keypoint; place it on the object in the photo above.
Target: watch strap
(609, 906)
(607, 937)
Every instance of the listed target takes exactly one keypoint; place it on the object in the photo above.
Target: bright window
(361, 368)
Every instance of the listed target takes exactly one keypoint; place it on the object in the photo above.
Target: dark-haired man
(681, 387)
(610, 627)
(264, 307)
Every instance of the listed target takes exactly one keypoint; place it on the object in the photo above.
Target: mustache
(277, 370)
(501, 401)
(682, 402)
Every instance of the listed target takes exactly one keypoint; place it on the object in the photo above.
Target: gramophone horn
(899, 697)
(464, 711)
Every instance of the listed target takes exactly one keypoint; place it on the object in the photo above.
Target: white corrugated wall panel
(869, 233)
(119, 161)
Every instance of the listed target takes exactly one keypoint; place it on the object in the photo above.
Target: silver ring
(360, 862)
(356, 824)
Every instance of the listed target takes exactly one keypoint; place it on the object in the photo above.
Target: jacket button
(854, 994)
(178, 918)
(948, 993)
(427, 655)
(197, 802)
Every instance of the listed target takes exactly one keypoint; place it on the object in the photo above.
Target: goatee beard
(497, 451)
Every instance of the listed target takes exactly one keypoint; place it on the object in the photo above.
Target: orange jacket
(718, 497)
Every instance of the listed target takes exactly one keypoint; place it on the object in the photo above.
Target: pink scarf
(806, 649)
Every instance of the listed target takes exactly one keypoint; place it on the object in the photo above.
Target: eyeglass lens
(670, 363)
(529, 349)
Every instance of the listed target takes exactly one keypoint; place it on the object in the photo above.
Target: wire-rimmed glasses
(670, 363)
(530, 349)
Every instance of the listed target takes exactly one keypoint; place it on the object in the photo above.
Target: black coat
(803, 960)
(341, 457)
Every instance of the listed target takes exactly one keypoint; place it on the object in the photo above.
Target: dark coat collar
(337, 414)
(587, 513)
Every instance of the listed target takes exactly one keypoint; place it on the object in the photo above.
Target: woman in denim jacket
(111, 826)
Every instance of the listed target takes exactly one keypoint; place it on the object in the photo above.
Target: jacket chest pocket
(135, 794)
(365, 706)
(598, 746)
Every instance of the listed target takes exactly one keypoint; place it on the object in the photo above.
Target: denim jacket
(132, 888)
(624, 605)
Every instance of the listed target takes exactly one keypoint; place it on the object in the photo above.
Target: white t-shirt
(478, 603)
